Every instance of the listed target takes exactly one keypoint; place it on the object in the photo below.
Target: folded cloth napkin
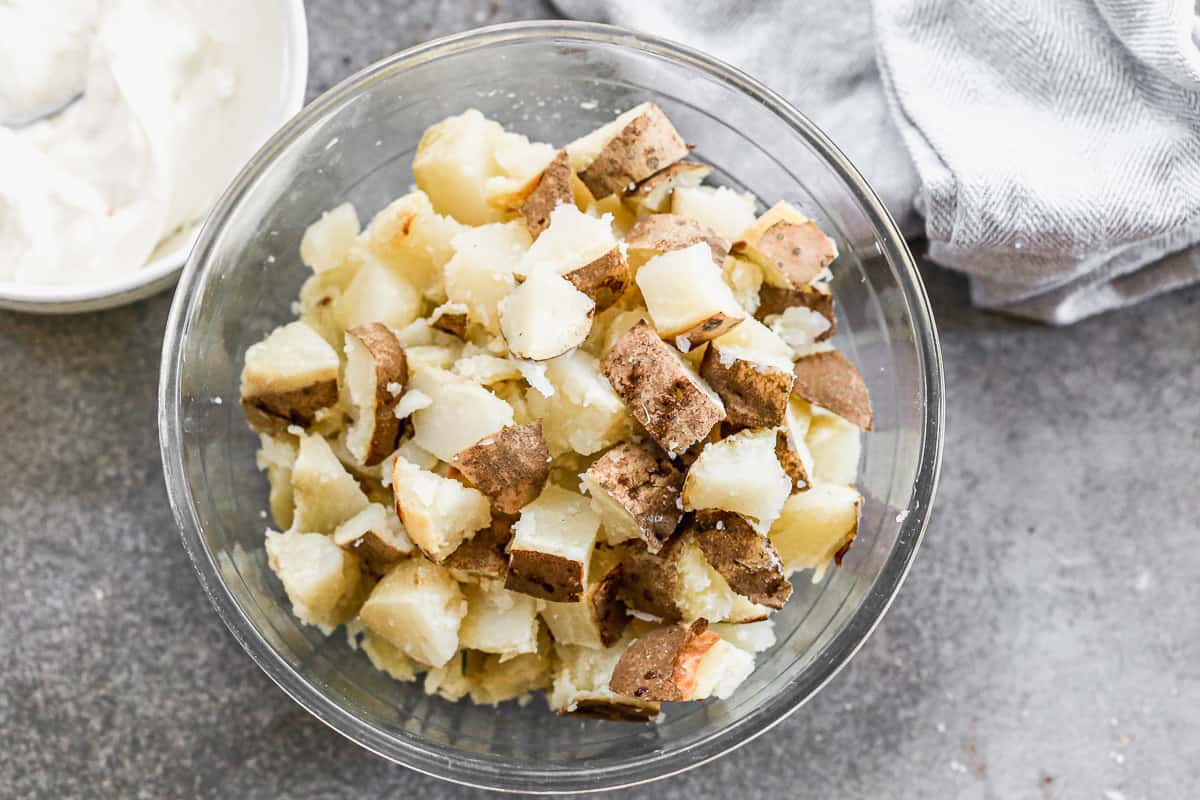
(1053, 148)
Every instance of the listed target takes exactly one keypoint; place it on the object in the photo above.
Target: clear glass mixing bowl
(552, 81)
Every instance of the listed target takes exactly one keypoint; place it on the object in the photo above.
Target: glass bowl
(552, 81)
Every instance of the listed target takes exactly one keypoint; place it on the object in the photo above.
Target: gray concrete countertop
(1046, 644)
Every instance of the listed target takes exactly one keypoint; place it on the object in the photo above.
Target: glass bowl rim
(428, 758)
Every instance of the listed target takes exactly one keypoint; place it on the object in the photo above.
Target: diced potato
(836, 446)
(816, 526)
(703, 593)
(377, 293)
(484, 555)
(816, 297)
(516, 165)
(545, 317)
(582, 249)
(801, 328)
(663, 664)
(790, 248)
(743, 557)
(326, 494)
(753, 637)
(552, 545)
(721, 671)
(581, 685)
(644, 145)
(553, 187)
(599, 618)
(510, 467)
(481, 273)
(375, 377)
(745, 278)
(662, 233)
(418, 608)
(460, 414)
(277, 456)
(654, 194)
(686, 295)
(495, 678)
(376, 536)
(725, 211)
(740, 474)
(583, 151)
(453, 163)
(829, 380)
(449, 681)
(288, 377)
(388, 658)
(636, 491)
(751, 369)
(327, 242)
(499, 621)
(317, 295)
(438, 513)
(322, 581)
(584, 414)
(412, 239)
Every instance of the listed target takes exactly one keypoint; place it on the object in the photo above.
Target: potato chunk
(377, 293)
(581, 685)
(326, 494)
(661, 390)
(459, 415)
(721, 670)
(288, 377)
(499, 621)
(816, 526)
(582, 249)
(322, 581)
(646, 144)
(376, 375)
(418, 608)
(510, 467)
(662, 233)
(554, 187)
(636, 491)
(662, 664)
(551, 546)
(438, 513)
(740, 474)
(599, 618)
(414, 240)
(484, 555)
(744, 557)
(545, 317)
(481, 272)
(727, 212)
(835, 447)
(686, 295)
(790, 248)
(327, 242)
(376, 536)
(582, 414)
(830, 381)
(751, 369)
(816, 299)
(653, 195)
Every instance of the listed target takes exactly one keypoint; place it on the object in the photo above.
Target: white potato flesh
(704, 592)
(755, 343)
(815, 246)
(745, 278)
(583, 674)
(753, 637)
(460, 414)
(573, 240)
(618, 524)
(545, 317)
(418, 608)
(721, 671)
(453, 163)
(438, 513)
(377, 293)
(516, 163)
(560, 522)
(433, 356)
(683, 289)
(572, 623)
(321, 580)
(796, 422)
(836, 446)
(413, 239)
(499, 621)
(388, 658)
(727, 212)
(379, 521)
(481, 367)
(327, 242)
(326, 494)
(799, 327)
(814, 525)
(360, 384)
(481, 272)
(583, 151)
(292, 357)
(583, 414)
(740, 473)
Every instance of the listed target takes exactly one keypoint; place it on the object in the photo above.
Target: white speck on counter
(956, 766)
(332, 143)
(589, 105)
(941, 727)
(1113, 794)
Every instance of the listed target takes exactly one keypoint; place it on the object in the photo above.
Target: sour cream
(172, 105)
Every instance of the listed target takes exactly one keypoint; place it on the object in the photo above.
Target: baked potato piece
(484, 555)
(326, 493)
(483, 269)
(460, 413)
(790, 248)
(742, 556)
(830, 381)
(662, 233)
(661, 665)
(653, 195)
(551, 547)
(726, 211)
(438, 513)
(815, 298)
(376, 536)
(635, 489)
(510, 467)
(816, 527)
(376, 376)
(418, 609)
(326, 243)
(581, 248)
(322, 581)
(545, 317)
(499, 621)
(553, 188)
(288, 377)
(599, 619)
(835, 446)
(741, 474)
(751, 369)
(581, 685)
(414, 240)
(661, 391)
(687, 297)
(582, 413)
(643, 146)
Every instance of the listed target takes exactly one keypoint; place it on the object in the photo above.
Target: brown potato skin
(545, 576)
(789, 459)
(608, 609)
(718, 324)
(830, 381)
(646, 145)
(374, 552)
(391, 366)
(484, 553)
(799, 251)
(660, 665)
(454, 324)
(613, 711)
(683, 173)
(511, 470)
(275, 413)
(604, 280)
(553, 187)
(650, 581)
(646, 484)
(746, 559)
(777, 299)
(661, 233)
(655, 387)
(753, 399)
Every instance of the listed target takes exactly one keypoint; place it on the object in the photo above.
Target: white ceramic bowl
(163, 269)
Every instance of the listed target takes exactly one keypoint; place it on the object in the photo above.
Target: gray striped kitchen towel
(1052, 147)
